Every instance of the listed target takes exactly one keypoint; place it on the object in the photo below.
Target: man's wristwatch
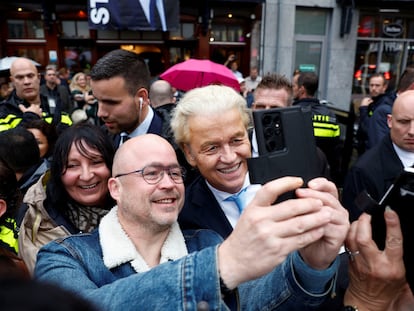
(350, 308)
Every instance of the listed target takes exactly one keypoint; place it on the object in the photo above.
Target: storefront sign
(393, 30)
(133, 14)
(307, 67)
(393, 47)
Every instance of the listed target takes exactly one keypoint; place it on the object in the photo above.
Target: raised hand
(321, 253)
(377, 278)
(32, 108)
(266, 233)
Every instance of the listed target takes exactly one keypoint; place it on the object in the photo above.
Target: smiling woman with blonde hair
(82, 96)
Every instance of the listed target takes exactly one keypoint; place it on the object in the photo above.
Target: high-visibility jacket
(324, 120)
(11, 115)
(8, 234)
(326, 131)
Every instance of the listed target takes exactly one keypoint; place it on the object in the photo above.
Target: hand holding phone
(400, 198)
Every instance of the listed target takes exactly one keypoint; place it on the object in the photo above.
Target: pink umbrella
(194, 73)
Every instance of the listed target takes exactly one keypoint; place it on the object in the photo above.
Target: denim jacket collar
(117, 248)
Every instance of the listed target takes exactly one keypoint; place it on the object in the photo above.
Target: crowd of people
(119, 197)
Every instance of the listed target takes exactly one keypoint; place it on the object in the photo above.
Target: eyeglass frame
(160, 175)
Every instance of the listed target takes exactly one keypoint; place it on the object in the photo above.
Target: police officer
(325, 126)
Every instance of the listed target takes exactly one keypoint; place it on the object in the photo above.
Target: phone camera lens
(267, 120)
(268, 132)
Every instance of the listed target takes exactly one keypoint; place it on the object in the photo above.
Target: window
(308, 55)
(311, 28)
(383, 56)
(75, 29)
(310, 22)
(129, 35)
(227, 33)
(410, 54)
(185, 31)
(384, 47)
(368, 26)
(179, 54)
(77, 58)
(35, 53)
(25, 29)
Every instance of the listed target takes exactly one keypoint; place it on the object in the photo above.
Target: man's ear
(389, 119)
(141, 96)
(301, 90)
(3, 207)
(189, 156)
(113, 188)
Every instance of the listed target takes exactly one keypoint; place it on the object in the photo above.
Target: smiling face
(85, 178)
(218, 147)
(155, 206)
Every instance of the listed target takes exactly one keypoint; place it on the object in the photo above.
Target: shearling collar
(118, 249)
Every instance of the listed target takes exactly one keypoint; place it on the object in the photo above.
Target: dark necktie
(238, 199)
(152, 13)
(124, 138)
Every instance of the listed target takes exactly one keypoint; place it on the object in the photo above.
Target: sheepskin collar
(118, 249)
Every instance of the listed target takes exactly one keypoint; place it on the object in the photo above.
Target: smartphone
(400, 198)
(286, 144)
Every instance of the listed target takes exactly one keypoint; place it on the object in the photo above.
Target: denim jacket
(76, 263)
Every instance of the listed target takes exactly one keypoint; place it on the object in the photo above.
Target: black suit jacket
(155, 128)
(374, 172)
(130, 15)
(202, 211)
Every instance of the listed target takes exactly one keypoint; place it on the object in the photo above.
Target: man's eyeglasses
(153, 174)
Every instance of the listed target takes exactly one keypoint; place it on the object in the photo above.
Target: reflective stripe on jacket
(8, 234)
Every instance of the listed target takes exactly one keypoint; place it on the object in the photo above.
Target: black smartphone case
(400, 198)
(286, 145)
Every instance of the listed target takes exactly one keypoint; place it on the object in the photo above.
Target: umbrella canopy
(195, 73)
(6, 62)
